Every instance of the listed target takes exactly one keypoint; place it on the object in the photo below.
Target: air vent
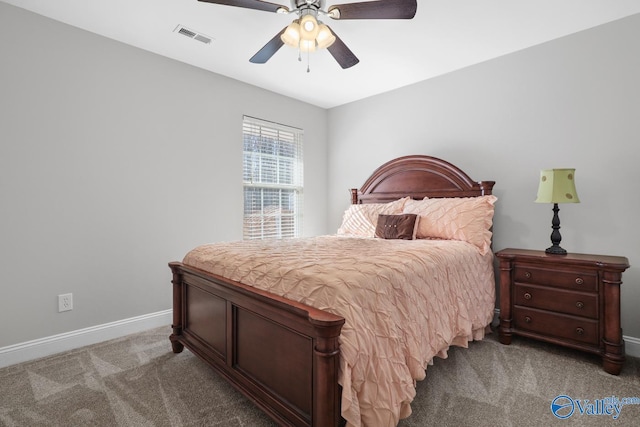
(202, 38)
(192, 34)
(186, 32)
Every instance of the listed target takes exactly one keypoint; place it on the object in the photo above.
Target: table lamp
(557, 186)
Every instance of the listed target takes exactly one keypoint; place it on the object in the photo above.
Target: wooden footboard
(281, 354)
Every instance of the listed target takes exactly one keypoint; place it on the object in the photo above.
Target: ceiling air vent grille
(192, 34)
(186, 32)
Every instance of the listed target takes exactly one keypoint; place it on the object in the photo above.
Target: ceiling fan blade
(341, 53)
(269, 49)
(388, 9)
(250, 4)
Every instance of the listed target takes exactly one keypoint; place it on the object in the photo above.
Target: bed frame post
(486, 187)
(354, 196)
(176, 346)
(327, 395)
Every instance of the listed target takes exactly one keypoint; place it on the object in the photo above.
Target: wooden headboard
(418, 176)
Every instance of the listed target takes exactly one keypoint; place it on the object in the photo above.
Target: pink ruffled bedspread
(404, 302)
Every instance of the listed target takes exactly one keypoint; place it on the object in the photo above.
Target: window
(272, 176)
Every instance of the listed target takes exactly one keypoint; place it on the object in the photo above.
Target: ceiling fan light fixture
(325, 37)
(308, 28)
(291, 35)
(308, 34)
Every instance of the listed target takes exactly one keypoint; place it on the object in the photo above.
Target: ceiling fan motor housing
(299, 4)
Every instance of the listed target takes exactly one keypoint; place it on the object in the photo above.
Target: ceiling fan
(307, 33)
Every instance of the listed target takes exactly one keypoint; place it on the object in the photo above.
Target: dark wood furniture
(281, 354)
(571, 300)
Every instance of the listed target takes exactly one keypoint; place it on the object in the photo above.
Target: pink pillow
(361, 220)
(462, 218)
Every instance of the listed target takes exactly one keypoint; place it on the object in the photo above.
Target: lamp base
(555, 250)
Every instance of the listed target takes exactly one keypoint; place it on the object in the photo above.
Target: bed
(294, 331)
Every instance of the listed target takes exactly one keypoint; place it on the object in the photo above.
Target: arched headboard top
(418, 176)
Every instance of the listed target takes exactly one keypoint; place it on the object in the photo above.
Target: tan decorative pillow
(397, 226)
(361, 220)
(462, 218)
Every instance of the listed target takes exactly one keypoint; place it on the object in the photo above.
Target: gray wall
(113, 162)
(572, 102)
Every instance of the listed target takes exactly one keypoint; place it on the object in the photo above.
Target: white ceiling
(445, 35)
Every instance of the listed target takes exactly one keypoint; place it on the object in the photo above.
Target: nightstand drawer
(578, 280)
(556, 325)
(560, 300)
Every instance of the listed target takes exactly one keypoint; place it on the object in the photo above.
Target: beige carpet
(138, 381)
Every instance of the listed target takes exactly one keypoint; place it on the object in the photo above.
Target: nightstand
(571, 300)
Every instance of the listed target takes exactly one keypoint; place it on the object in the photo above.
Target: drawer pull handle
(580, 304)
(527, 275)
(527, 319)
(579, 281)
(579, 331)
(527, 295)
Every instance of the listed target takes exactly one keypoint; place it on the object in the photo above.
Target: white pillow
(360, 220)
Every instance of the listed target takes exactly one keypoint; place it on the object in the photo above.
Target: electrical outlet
(65, 302)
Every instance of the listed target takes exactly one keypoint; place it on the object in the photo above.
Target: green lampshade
(557, 186)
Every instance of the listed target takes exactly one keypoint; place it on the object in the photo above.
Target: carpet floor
(138, 381)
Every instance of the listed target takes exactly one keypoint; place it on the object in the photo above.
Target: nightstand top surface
(618, 262)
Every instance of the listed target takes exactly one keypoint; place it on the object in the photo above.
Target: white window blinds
(273, 180)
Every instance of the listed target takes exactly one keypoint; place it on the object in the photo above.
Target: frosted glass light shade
(291, 35)
(308, 27)
(557, 186)
(307, 45)
(325, 37)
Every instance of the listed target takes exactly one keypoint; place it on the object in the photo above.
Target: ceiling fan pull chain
(308, 69)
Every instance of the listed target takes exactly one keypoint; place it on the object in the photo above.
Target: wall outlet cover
(65, 302)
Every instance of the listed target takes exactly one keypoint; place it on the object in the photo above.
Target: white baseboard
(631, 346)
(47, 346)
